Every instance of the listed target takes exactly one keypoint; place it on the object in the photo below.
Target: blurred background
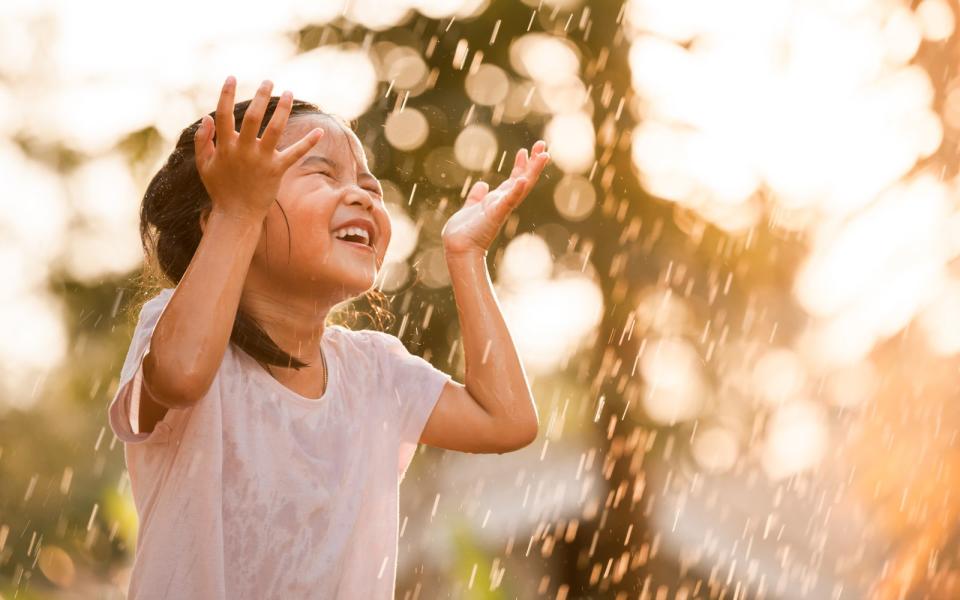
(734, 290)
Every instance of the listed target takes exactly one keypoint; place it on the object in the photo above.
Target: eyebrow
(315, 159)
(310, 160)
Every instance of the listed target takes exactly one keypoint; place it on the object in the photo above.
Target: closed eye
(371, 189)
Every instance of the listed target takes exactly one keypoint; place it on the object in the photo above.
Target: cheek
(386, 234)
(300, 230)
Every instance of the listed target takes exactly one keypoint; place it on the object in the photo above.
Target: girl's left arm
(494, 410)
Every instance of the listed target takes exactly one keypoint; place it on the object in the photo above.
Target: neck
(294, 323)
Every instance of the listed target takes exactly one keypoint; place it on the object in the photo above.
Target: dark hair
(170, 228)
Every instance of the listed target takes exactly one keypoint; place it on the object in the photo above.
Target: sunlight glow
(715, 449)
(551, 319)
(488, 85)
(817, 111)
(796, 439)
(341, 80)
(34, 342)
(407, 129)
(674, 380)
(526, 258)
(871, 275)
(476, 147)
(779, 375)
(545, 58)
(107, 205)
(403, 234)
(830, 127)
(570, 137)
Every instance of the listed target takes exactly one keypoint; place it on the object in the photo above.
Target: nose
(353, 194)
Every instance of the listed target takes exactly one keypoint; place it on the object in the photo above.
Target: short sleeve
(413, 386)
(124, 410)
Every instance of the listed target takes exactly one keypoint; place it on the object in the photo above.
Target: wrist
(461, 263)
(235, 225)
(463, 257)
(468, 253)
(238, 216)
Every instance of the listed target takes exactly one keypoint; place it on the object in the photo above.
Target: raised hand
(478, 222)
(240, 171)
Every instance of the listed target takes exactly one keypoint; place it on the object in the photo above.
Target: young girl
(264, 446)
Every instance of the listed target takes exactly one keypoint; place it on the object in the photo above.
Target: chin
(355, 284)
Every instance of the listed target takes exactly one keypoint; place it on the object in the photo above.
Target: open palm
(474, 227)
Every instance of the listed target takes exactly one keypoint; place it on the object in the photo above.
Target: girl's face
(325, 189)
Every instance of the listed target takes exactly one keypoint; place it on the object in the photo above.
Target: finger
(253, 116)
(224, 115)
(506, 184)
(505, 190)
(499, 192)
(278, 121)
(477, 192)
(519, 191)
(291, 154)
(538, 147)
(201, 143)
(520, 163)
(536, 166)
(514, 196)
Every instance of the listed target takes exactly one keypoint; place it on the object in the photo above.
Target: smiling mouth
(357, 245)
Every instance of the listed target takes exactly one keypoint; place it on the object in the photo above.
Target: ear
(204, 215)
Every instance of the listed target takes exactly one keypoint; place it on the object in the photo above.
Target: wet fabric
(259, 492)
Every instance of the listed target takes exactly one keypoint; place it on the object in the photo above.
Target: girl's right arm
(191, 336)
(241, 173)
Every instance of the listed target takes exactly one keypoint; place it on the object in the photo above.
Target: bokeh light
(346, 87)
(574, 197)
(476, 147)
(675, 385)
(489, 85)
(406, 130)
(734, 290)
(796, 439)
(716, 449)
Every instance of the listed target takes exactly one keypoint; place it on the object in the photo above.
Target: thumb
(477, 192)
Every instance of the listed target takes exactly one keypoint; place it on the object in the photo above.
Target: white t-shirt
(259, 492)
